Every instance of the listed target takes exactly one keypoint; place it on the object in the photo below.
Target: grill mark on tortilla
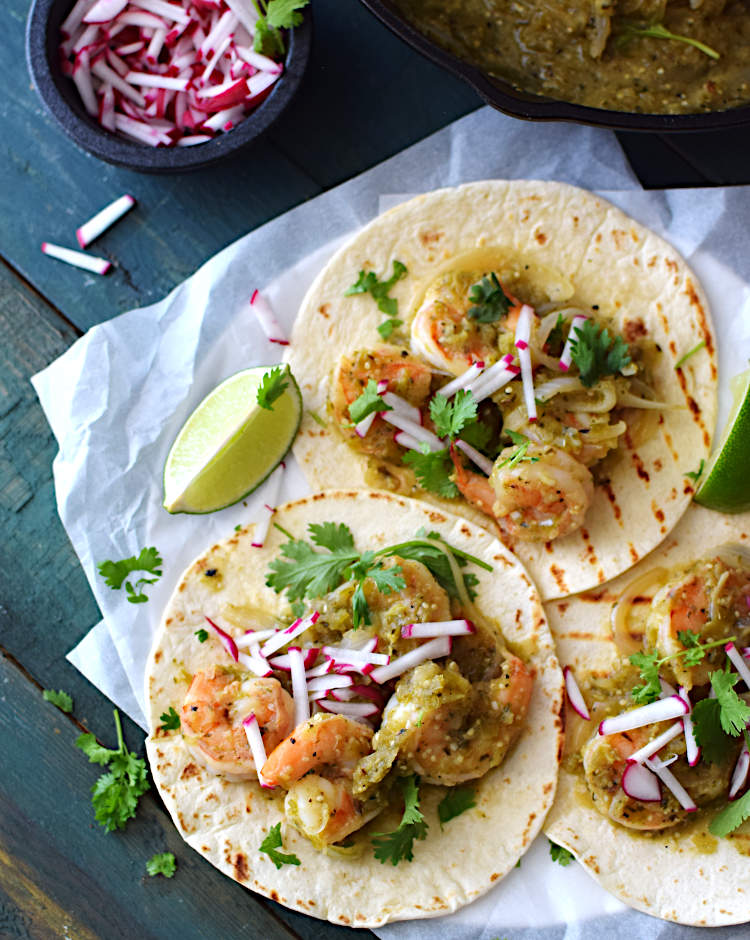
(610, 494)
(590, 554)
(601, 576)
(657, 464)
(559, 575)
(700, 313)
(323, 310)
(188, 771)
(585, 635)
(633, 553)
(695, 408)
(597, 596)
(659, 516)
(639, 468)
(668, 441)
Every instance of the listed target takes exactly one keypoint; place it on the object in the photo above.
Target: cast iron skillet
(506, 98)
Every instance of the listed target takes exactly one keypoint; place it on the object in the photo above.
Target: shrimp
(315, 764)
(447, 729)
(443, 333)
(542, 497)
(605, 759)
(211, 719)
(708, 598)
(406, 376)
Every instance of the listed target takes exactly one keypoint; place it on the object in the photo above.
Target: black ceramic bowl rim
(506, 98)
(62, 100)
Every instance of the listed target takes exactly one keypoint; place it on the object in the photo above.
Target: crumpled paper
(117, 398)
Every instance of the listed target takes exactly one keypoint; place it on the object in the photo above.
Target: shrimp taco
(337, 715)
(653, 789)
(522, 353)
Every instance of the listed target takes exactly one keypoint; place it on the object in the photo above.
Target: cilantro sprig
(61, 699)
(272, 843)
(432, 469)
(657, 31)
(455, 802)
(273, 16)
(691, 352)
(162, 864)
(559, 854)
(717, 720)
(596, 353)
(489, 299)
(694, 652)
(397, 845)
(520, 453)
(732, 816)
(116, 793)
(451, 415)
(115, 573)
(170, 721)
(695, 475)
(369, 283)
(272, 387)
(368, 401)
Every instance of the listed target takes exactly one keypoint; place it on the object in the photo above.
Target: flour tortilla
(576, 242)
(226, 822)
(671, 875)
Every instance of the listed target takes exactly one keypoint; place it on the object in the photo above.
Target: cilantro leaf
(298, 609)
(435, 558)
(658, 31)
(556, 339)
(303, 572)
(450, 416)
(479, 435)
(433, 470)
(709, 734)
(336, 538)
(560, 854)
(272, 387)
(267, 40)
(369, 283)
(283, 14)
(271, 843)
(61, 699)
(115, 794)
(115, 573)
(734, 711)
(596, 354)
(456, 801)
(202, 635)
(170, 721)
(520, 453)
(162, 864)
(367, 402)
(695, 475)
(399, 844)
(489, 299)
(732, 816)
(648, 663)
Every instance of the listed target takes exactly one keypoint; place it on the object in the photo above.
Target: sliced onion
(624, 642)
(661, 710)
(672, 783)
(561, 385)
(433, 649)
(575, 696)
(438, 628)
(229, 645)
(257, 748)
(641, 784)
(739, 663)
(567, 354)
(648, 750)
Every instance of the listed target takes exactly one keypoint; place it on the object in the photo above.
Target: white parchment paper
(117, 398)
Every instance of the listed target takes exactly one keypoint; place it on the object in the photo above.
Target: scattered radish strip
(200, 48)
(672, 783)
(351, 709)
(256, 664)
(438, 628)
(299, 686)
(661, 710)
(692, 749)
(648, 750)
(739, 663)
(229, 645)
(257, 748)
(267, 319)
(309, 655)
(103, 220)
(433, 649)
(273, 485)
(463, 381)
(423, 435)
(567, 354)
(484, 463)
(282, 637)
(641, 784)
(404, 439)
(494, 378)
(523, 334)
(402, 407)
(365, 424)
(326, 683)
(357, 657)
(739, 774)
(575, 697)
(251, 637)
(77, 258)
(323, 669)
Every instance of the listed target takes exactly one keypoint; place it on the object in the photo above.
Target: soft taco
(360, 719)
(521, 353)
(653, 804)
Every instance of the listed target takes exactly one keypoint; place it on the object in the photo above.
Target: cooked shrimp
(443, 333)
(406, 376)
(543, 497)
(216, 703)
(315, 764)
(446, 729)
(708, 598)
(605, 759)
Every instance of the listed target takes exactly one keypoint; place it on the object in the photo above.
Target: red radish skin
(641, 784)
(575, 697)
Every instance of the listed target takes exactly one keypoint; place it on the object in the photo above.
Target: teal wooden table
(366, 97)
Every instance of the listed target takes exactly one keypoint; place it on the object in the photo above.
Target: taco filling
(387, 673)
(666, 733)
(500, 395)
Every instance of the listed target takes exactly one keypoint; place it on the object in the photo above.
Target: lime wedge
(229, 444)
(726, 483)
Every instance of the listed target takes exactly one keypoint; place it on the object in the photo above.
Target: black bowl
(61, 98)
(503, 96)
